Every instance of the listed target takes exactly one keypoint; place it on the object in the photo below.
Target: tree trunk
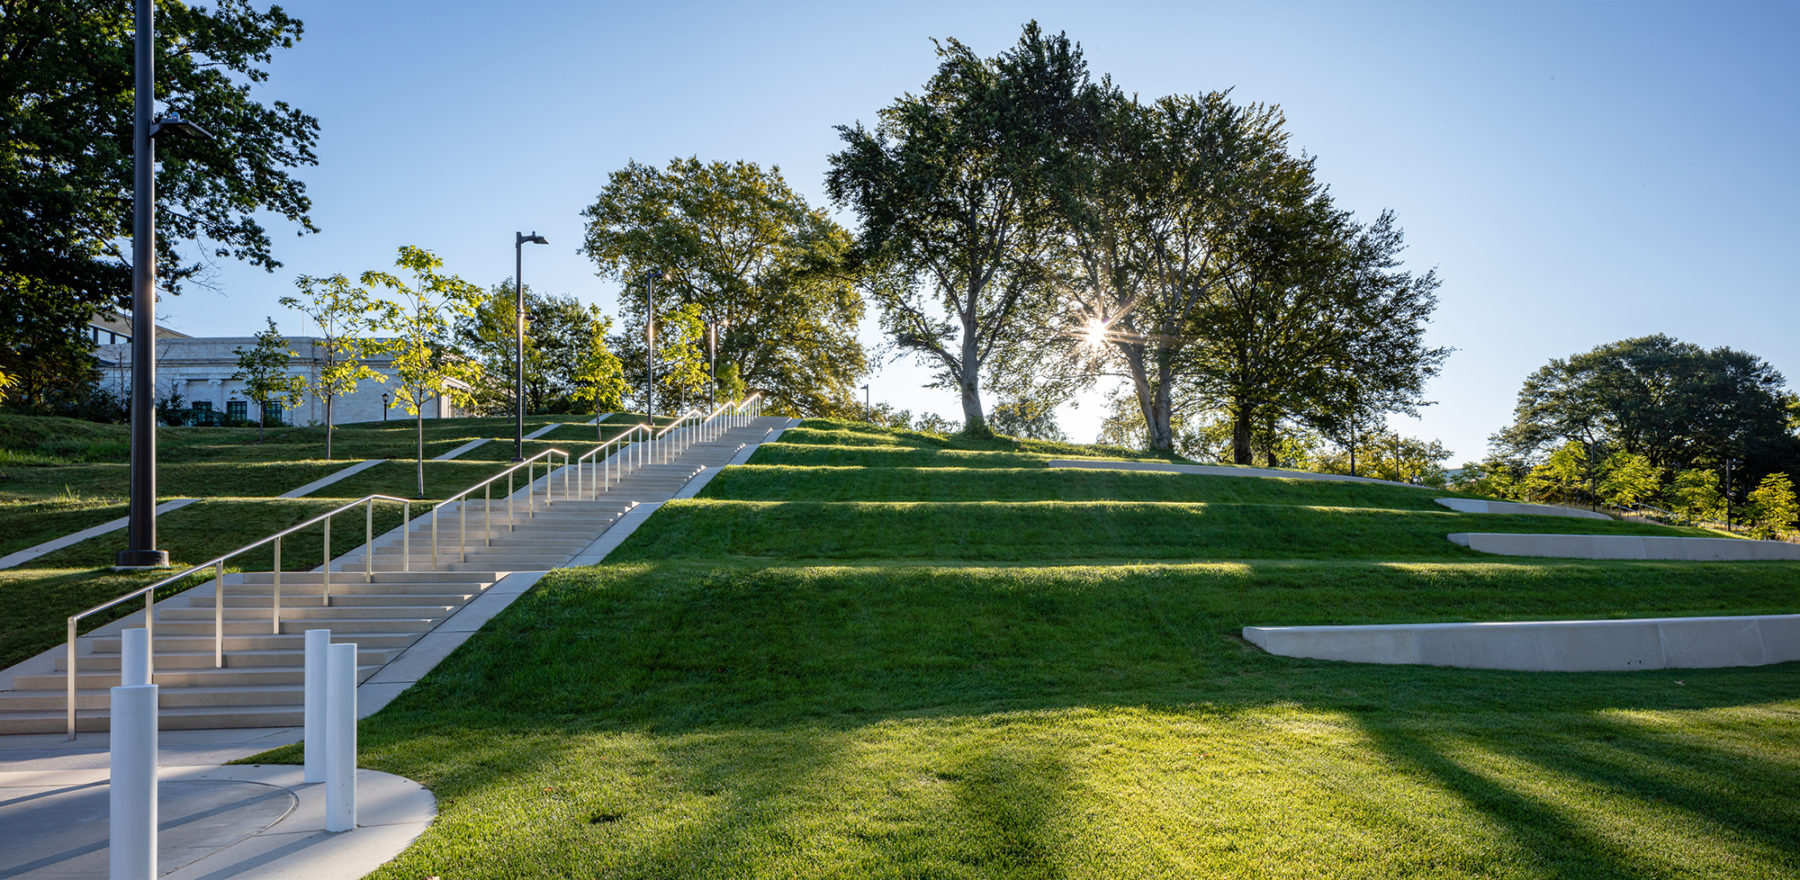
(974, 419)
(419, 448)
(328, 399)
(1240, 435)
(1153, 401)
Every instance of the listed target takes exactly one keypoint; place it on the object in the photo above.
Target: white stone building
(200, 370)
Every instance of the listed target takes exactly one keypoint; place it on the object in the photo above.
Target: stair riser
(290, 578)
(110, 662)
(258, 628)
(295, 642)
(314, 591)
(167, 698)
(341, 600)
(177, 678)
(314, 614)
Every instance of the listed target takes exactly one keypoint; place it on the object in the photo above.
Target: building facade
(200, 370)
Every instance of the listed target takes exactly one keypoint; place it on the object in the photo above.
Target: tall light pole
(519, 240)
(650, 344)
(712, 364)
(868, 412)
(140, 544)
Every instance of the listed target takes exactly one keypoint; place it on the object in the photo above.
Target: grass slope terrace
(897, 714)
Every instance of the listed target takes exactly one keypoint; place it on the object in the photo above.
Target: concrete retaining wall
(1626, 547)
(1551, 646)
(1472, 505)
(1217, 471)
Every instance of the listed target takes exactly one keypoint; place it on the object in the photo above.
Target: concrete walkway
(262, 821)
(328, 479)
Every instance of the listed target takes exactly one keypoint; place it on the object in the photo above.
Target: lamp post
(519, 240)
(650, 344)
(141, 551)
(712, 361)
(384, 405)
(868, 411)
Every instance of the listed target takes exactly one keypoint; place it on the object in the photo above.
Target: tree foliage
(557, 337)
(598, 375)
(263, 368)
(1773, 507)
(420, 318)
(761, 266)
(955, 188)
(66, 95)
(345, 314)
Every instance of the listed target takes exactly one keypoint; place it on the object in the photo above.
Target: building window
(272, 413)
(237, 409)
(203, 406)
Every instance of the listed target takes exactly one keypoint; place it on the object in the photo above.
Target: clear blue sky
(1576, 172)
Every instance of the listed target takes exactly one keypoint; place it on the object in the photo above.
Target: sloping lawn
(719, 701)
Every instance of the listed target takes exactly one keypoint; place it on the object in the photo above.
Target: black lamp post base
(133, 560)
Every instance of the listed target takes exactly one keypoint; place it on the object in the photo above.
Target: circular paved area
(60, 832)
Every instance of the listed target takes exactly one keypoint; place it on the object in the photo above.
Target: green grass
(938, 659)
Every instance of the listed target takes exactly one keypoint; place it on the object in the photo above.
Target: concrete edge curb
(460, 450)
(18, 557)
(1672, 548)
(328, 479)
(1207, 470)
(1479, 506)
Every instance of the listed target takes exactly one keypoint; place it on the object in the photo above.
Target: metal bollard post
(132, 841)
(318, 641)
(340, 738)
(134, 657)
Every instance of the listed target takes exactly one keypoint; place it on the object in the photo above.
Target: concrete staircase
(383, 612)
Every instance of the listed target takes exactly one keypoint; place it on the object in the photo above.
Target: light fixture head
(520, 238)
(175, 126)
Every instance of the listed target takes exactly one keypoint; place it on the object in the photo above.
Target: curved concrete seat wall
(1627, 547)
(1210, 470)
(1549, 646)
(1474, 505)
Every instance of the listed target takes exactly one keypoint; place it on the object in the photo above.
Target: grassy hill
(878, 654)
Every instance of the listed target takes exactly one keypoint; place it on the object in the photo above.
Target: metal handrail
(596, 483)
(462, 510)
(218, 564)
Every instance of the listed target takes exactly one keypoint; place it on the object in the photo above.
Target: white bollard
(131, 843)
(317, 640)
(134, 657)
(340, 739)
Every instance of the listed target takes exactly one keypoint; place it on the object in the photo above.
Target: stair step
(233, 659)
(167, 697)
(260, 642)
(346, 600)
(86, 680)
(322, 615)
(252, 626)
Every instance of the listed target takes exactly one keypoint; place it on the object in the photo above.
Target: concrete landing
(1210, 470)
(1627, 547)
(1549, 646)
(215, 822)
(1473, 505)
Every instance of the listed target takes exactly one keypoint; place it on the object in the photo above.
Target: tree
(343, 312)
(1773, 507)
(263, 368)
(420, 317)
(556, 329)
(1674, 403)
(1389, 456)
(1493, 477)
(1627, 478)
(1695, 495)
(598, 374)
(1562, 478)
(765, 269)
(1026, 418)
(954, 189)
(66, 93)
(1162, 192)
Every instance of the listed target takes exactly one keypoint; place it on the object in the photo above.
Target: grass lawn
(721, 699)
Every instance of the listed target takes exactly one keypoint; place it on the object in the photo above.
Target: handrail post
(219, 615)
(71, 666)
(406, 536)
(511, 525)
(369, 541)
(462, 528)
(531, 489)
(325, 592)
(487, 512)
(275, 609)
(434, 517)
